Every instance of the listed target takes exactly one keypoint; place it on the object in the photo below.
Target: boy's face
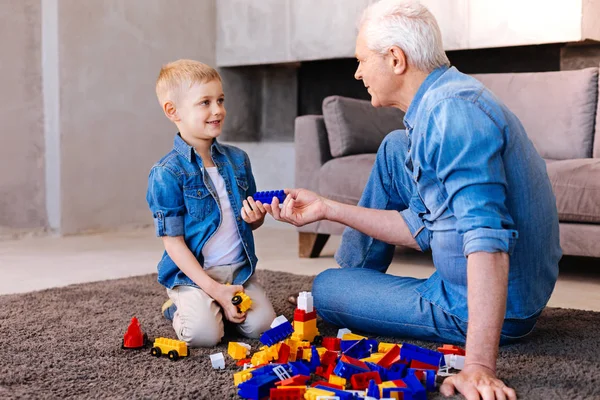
(201, 111)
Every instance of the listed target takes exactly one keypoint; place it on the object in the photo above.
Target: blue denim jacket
(184, 203)
(480, 186)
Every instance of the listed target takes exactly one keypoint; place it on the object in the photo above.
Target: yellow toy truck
(242, 301)
(171, 347)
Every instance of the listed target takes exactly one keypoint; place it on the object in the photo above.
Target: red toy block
(327, 384)
(422, 365)
(287, 393)
(390, 357)
(331, 343)
(361, 381)
(243, 362)
(451, 349)
(329, 357)
(303, 316)
(284, 354)
(134, 337)
(400, 383)
(325, 372)
(355, 362)
(297, 380)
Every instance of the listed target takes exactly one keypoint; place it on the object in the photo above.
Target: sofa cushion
(355, 126)
(557, 109)
(597, 134)
(343, 179)
(576, 185)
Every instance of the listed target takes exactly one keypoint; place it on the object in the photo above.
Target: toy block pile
(296, 363)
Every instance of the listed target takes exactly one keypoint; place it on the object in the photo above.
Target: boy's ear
(170, 111)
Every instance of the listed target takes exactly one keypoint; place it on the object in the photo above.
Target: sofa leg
(311, 244)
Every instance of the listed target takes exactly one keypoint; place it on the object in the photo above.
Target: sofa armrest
(312, 150)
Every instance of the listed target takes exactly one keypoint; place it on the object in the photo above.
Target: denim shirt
(480, 187)
(184, 203)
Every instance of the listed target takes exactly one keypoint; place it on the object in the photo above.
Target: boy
(195, 194)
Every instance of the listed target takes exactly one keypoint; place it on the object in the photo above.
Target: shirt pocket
(198, 201)
(242, 183)
(428, 190)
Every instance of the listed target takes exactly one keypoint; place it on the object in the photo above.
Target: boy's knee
(202, 333)
(257, 323)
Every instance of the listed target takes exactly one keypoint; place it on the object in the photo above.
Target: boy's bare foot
(293, 299)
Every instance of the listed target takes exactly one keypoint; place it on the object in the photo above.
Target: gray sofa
(560, 111)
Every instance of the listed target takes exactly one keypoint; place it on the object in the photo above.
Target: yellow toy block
(353, 336)
(272, 351)
(293, 344)
(242, 376)
(305, 330)
(337, 380)
(259, 358)
(373, 358)
(242, 301)
(238, 350)
(321, 351)
(385, 347)
(313, 393)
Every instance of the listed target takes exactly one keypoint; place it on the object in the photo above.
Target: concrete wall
(112, 129)
(22, 200)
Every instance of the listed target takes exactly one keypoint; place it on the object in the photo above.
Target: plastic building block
(238, 350)
(403, 393)
(305, 302)
(277, 334)
(385, 347)
(258, 387)
(134, 337)
(373, 390)
(281, 373)
(348, 366)
(329, 357)
(171, 347)
(352, 336)
(339, 393)
(305, 330)
(417, 389)
(337, 380)
(242, 301)
(296, 380)
(361, 381)
(242, 376)
(284, 354)
(267, 196)
(342, 332)
(217, 360)
(360, 349)
(451, 349)
(391, 356)
(314, 393)
(299, 368)
(325, 385)
(315, 360)
(260, 358)
(454, 361)
(303, 316)
(287, 393)
(420, 357)
(426, 376)
(331, 343)
(278, 321)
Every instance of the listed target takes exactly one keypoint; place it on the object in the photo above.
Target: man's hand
(475, 382)
(223, 295)
(300, 207)
(253, 212)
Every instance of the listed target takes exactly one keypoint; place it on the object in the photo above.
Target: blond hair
(175, 75)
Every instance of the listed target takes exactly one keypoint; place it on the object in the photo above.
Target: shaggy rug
(66, 343)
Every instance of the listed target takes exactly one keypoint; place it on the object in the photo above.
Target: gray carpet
(65, 343)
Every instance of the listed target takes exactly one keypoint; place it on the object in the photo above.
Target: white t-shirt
(225, 246)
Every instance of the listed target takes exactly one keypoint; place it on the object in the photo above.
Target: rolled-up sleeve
(165, 199)
(417, 228)
(469, 164)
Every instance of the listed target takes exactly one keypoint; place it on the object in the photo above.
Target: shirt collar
(187, 151)
(409, 117)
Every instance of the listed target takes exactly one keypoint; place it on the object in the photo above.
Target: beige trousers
(198, 320)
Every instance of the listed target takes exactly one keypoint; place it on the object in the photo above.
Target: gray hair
(409, 25)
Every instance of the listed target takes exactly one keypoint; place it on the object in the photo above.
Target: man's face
(375, 71)
(201, 110)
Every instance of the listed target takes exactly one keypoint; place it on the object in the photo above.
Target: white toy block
(281, 373)
(305, 302)
(454, 361)
(342, 332)
(246, 345)
(278, 321)
(217, 360)
(328, 397)
(248, 366)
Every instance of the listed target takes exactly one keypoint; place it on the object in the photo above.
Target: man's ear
(397, 60)
(170, 111)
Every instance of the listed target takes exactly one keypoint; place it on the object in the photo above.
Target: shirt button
(238, 218)
(199, 192)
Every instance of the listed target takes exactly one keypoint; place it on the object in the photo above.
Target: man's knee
(395, 141)
(325, 286)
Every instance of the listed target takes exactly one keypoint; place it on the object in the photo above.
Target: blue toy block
(360, 349)
(383, 372)
(396, 371)
(341, 394)
(373, 390)
(267, 197)
(429, 377)
(407, 394)
(411, 352)
(346, 370)
(315, 359)
(277, 334)
(415, 385)
(257, 387)
(299, 368)
(265, 370)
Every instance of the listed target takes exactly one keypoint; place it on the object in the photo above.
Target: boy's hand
(223, 296)
(253, 211)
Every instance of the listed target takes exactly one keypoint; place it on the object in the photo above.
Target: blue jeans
(362, 297)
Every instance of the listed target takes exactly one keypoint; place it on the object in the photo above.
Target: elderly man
(464, 181)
